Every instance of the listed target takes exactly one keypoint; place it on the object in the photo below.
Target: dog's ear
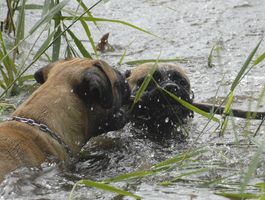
(42, 74)
(39, 76)
(95, 88)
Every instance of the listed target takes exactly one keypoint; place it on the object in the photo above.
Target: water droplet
(167, 120)
(72, 91)
(91, 108)
(140, 106)
(158, 100)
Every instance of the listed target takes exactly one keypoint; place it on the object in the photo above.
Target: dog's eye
(182, 82)
(174, 76)
(150, 85)
(157, 76)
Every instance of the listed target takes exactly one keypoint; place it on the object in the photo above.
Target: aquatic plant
(9, 71)
(54, 23)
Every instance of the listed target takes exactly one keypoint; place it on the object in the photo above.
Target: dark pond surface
(186, 29)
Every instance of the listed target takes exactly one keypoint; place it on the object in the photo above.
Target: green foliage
(164, 166)
(9, 70)
(54, 19)
(138, 62)
(144, 85)
(103, 186)
(241, 74)
(190, 106)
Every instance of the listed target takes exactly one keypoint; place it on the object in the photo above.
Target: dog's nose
(170, 86)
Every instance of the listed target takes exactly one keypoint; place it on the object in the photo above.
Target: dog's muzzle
(157, 107)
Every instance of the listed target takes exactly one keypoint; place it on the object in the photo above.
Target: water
(187, 29)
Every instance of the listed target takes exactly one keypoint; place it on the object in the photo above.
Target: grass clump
(56, 21)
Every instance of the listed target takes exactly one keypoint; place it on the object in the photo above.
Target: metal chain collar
(44, 128)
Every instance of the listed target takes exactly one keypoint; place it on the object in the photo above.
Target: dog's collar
(44, 128)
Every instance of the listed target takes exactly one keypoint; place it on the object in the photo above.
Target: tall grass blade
(88, 13)
(209, 61)
(56, 46)
(79, 45)
(125, 52)
(259, 59)
(198, 171)
(144, 85)
(137, 174)
(236, 196)
(258, 129)
(49, 16)
(45, 44)
(122, 57)
(34, 60)
(244, 67)
(104, 187)
(252, 167)
(26, 78)
(6, 59)
(31, 7)
(21, 22)
(137, 62)
(112, 21)
(45, 8)
(86, 28)
(9, 65)
(227, 112)
(2, 85)
(180, 158)
(190, 106)
(5, 81)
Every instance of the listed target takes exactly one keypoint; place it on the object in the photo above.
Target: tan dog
(156, 109)
(78, 99)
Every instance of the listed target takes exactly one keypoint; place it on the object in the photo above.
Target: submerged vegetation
(56, 25)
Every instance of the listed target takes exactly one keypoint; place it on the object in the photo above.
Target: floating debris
(103, 44)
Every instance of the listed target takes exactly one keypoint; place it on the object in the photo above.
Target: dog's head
(93, 85)
(156, 109)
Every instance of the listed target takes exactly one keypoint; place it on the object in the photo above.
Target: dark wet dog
(78, 99)
(159, 112)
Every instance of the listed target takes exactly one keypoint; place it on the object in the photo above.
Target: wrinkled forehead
(78, 65)
(141, 71)
(174, 68)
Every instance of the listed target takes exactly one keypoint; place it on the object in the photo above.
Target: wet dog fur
(77, 99)
(156, 111)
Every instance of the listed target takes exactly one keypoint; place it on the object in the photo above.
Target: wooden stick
(210, 108)
(219, 110)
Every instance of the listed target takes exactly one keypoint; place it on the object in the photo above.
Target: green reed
(55, 18)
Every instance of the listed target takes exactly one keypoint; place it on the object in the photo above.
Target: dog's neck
(61, 111)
